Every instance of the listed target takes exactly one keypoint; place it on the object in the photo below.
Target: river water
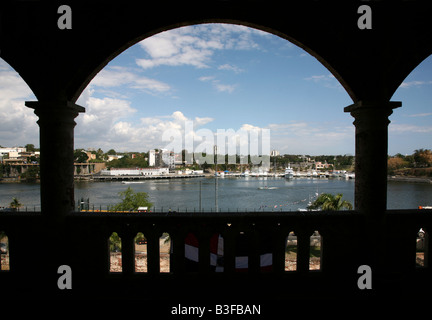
(240, 193)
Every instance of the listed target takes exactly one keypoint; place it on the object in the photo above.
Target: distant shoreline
(395, 178)
(409, 179)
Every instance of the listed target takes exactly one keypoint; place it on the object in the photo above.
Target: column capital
(372, 115)
(373, 105)
(54, 105)
(61, 112)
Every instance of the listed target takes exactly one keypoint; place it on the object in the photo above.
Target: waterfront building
(152, 158)
(135, 171)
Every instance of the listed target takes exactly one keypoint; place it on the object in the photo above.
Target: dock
(142, 177)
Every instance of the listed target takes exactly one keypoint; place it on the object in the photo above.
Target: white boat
(260, 173)
(129, 182)
(245, 174)
(289, 173)
(349, 176)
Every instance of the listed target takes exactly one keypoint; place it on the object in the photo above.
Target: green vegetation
(330, 202)
(335, 162)
(80, 156)
(115, 242)
(132, 201)
(291, 251)
(418, 164)
(31, 174)
(15, 204)
(139, 161)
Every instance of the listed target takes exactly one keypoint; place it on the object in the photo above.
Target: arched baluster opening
(291, 252)
(115, 254)
(242, 252)
(315, 251)
(4, 252)
(140, 250)
(422, 249)
(165, 250)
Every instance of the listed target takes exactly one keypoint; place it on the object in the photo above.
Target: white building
(112, 157)
(135, 171)
(15, 151)
(167, 158)
(152, 158)
(275, 153)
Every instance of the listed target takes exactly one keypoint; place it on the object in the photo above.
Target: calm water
(232, 193)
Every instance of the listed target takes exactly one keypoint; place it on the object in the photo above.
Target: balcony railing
(289, 253)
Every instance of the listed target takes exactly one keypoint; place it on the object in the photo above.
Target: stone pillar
(371, 144)
(56, 123)
(56, 136)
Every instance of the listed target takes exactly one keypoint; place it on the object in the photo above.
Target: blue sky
(220, 77)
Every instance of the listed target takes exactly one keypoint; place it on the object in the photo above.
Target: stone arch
(127, 44)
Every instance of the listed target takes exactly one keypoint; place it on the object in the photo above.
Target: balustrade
(271, 245)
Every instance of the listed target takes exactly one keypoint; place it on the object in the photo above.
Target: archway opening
(410, 147)
(166, 100)
(19, 144)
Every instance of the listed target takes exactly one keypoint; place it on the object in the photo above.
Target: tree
(396, 163)
(114, 242)
(80, 156)
(422, 157)
(30, 147)
(330, 202)
(132, 200)
(15, 204)
(111, 152)
(31, 174)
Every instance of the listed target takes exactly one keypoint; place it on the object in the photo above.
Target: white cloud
(328, 81)
(195, 45)
(118, 76)
(408, 128)
(111, 123)
(202, 121)
(311, 137)
(174, 49)
(230, 67)
(220, 87)
(17, 122)
(206, 78)
(414, 83)
(224, 87)
(250, 127)
(420, 115)
(102, 121)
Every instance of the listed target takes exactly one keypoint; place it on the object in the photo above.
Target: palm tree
(330, 202)
(15, 204)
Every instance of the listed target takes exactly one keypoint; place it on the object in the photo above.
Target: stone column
(56, 123)
(56, 136)
(371, 144)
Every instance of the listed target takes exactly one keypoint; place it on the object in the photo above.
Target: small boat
(289, 173)
(245, 174)
(129, 182)
(267, 188)
(349, 176)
